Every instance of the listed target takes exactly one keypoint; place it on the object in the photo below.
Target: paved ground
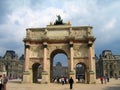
(112, 85)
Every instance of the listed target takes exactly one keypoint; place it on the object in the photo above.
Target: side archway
(37, 72)
(81, 73)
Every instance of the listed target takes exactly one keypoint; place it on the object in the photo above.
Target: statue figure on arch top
(59, 21)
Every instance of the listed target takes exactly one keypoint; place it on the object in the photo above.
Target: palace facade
(108, 64)
(11, 65)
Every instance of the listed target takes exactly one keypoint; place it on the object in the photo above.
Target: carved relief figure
(77, 52)
(35, 50)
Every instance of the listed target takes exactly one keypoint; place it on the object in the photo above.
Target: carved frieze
(58, 33)
(35, 34)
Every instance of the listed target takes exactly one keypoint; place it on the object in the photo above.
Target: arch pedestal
(45, 79)
(26, 77)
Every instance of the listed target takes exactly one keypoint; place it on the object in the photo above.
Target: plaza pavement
(16, 85)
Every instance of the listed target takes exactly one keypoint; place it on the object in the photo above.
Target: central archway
(58, 65)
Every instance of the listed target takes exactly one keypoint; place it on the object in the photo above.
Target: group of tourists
(104, 79)
(3, 82)
(65, 80)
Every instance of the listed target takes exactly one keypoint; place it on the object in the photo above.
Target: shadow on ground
(117, 87)
(15, 81)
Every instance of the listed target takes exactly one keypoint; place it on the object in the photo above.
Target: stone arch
(54, 52)
(53, 39)
(81, 72)
(36, 72)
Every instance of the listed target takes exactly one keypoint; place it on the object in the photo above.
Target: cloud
(110, 24)
(27, 17)
(19, 15)
(13, 31)
(3, 11)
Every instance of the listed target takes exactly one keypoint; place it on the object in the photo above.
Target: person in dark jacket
(71, 83)
(1, 82)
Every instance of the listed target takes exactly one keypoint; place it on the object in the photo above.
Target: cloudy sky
(17, 15)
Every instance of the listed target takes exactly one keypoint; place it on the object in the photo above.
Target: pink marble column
(71, 55)
(26, 57)
(45, 56)
(92, 75)
(90, 56)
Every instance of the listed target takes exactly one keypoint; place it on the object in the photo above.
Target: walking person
(71, 83)
(101, 79)
(1, 82)
(105, 79)
(62, 80)
(5, 80)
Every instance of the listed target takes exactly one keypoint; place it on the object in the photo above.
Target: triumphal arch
(41, 44)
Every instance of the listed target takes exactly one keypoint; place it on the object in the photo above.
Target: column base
(44, 77)
(72, 74)
(26, 77)
(92, 79)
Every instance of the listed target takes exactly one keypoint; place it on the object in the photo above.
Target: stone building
(42, 44)
(108, 64)
(59, 70)
(97, 66)
(11, 65)
(2, 67)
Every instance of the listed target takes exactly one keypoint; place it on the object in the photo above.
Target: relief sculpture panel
(36, 51)
(77, 52)
(80, 51)
(83, 53)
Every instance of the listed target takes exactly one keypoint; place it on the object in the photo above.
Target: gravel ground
(16, 85)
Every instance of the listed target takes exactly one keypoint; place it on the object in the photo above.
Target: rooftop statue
(59, 21)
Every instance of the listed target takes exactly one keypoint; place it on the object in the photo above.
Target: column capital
(27, 46)
(71, 43)
(45, 44)
(90, 43)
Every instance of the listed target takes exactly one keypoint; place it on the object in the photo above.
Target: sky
(17, 15)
